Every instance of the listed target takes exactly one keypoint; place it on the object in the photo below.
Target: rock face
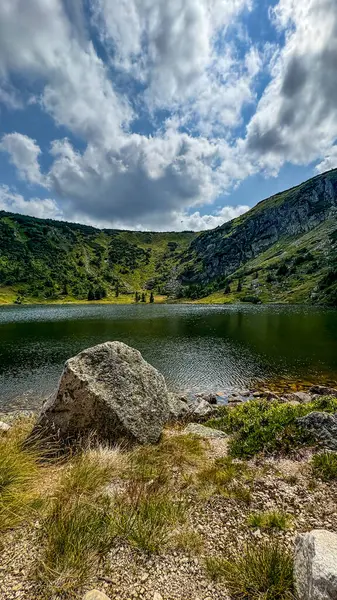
(204, 432)
(95, 595)
(323, 427)
(110, 390)
(315, 565)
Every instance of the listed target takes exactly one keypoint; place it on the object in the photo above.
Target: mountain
(282, 250)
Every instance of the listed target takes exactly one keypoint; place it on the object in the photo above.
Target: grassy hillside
(50, 260)
(282, 250)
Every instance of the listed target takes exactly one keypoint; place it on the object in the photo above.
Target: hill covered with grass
(282, 250)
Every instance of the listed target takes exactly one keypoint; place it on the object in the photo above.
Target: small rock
(178, 407)
(4, 427)
(303, 397)
(201, 410)
(95, 595)
(157, 596)
(315, 565)
(204, 432)
(322, 390)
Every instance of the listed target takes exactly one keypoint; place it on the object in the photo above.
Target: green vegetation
(18, 478)
(324, 465)
(254, 258)
(264, 426)
(228, 478)
(274, 519)
(263, 570)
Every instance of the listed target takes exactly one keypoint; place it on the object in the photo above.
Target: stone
(315, 565)
(4, 427)
(108, 390)
(95, 595)
(178, 408)
(323, 390)
(157, 596)
(201, 409)
(303, 397)
(322, 426)
(204, 432)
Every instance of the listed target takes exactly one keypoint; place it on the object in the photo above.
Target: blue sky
(148, 114)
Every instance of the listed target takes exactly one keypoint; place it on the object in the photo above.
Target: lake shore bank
(215, 501)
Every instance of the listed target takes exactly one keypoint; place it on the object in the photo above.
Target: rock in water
(322, 426)
(109, 390)
(315, 566)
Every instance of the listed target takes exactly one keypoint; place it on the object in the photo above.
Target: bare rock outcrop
(315, 565)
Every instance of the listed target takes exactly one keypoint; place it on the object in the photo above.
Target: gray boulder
(178, 408)
(204, 432)
(109, 390)
(315, 565)
(201, 410)
(95, 595)
(322, 426)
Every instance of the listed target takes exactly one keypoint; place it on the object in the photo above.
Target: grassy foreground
(106, 512)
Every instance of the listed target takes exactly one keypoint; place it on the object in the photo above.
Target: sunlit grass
(262, 571)
(274, 519)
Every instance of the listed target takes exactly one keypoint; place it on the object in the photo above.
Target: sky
(163, 115)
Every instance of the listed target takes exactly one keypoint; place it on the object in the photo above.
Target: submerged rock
(109, 390)
(322, 426)
(315, 565)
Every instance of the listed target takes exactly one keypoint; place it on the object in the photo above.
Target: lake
(196, 347)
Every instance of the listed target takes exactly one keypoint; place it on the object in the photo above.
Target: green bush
(274, 519)
(324, 465)
(251, 299)
(264, 426)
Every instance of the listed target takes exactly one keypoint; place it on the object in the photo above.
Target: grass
(19, 472)
(146, 514)
(270, 427)
(263, 571)
(269, 520)
(172, 453)
(188, 540)
(227, 478)
(324, 465)
(76, 530)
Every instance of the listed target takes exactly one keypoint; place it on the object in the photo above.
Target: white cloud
(24, 155)
(296, 118)
(329, 161)
(198, 222)
(35, 207)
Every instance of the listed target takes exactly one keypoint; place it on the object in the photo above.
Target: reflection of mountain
(282, 250)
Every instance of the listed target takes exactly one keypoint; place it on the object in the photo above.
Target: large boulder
(315, 565)
(109, 390)
(322, 426)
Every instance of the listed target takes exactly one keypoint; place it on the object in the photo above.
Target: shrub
(261, 571)
(251, 299)
(264, 426)
(269, 520)
(324, 465)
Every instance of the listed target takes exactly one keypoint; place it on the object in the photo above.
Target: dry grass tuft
(262, 571)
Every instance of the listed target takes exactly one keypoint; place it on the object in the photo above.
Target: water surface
(196, 347)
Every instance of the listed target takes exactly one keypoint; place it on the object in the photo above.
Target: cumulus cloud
(296, 118)
(35, 207)
(24, 155)
(329, 161)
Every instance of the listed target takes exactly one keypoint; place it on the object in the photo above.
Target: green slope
(282, 250)
(48, 260)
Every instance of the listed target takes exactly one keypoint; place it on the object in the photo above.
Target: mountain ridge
(284, 249)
